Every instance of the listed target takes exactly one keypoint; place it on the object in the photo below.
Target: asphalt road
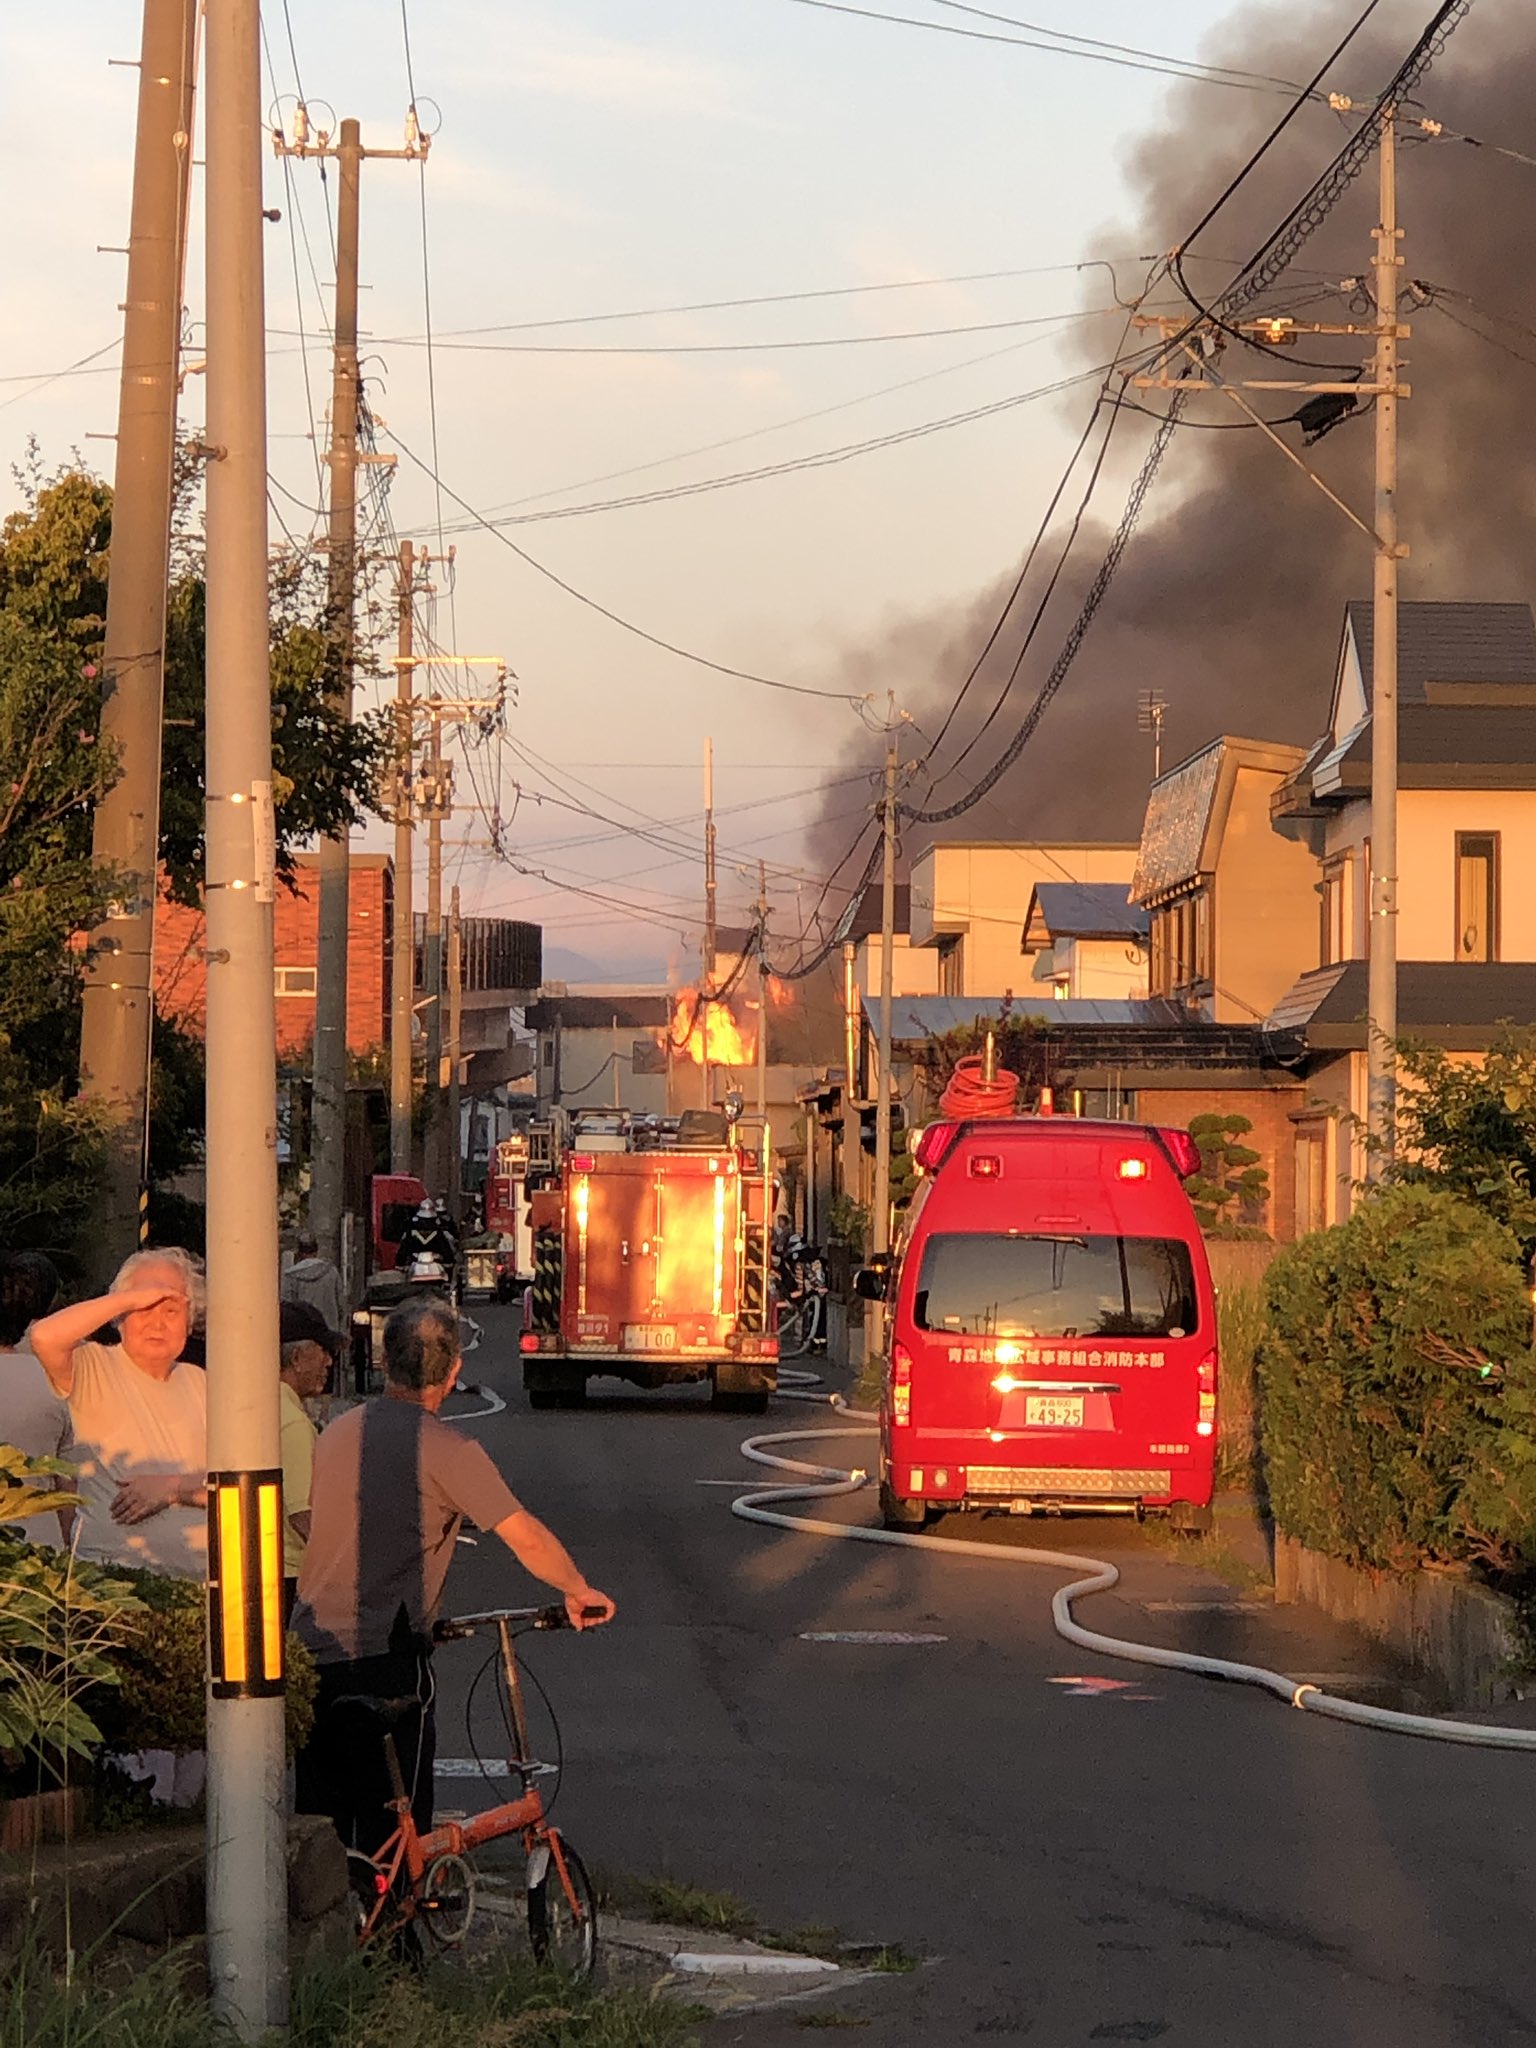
(1170, 1860)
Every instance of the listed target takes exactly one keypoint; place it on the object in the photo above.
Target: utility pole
(402, 936)
(762, 989)
(118, 1019)
(435, 801)
(1201, 344)
(881, 1206)
(1151, 706)
(455, 1054)
(247, 1891)
(333, 871)
(710, 904)
(328, 1126)
(1381, 1000)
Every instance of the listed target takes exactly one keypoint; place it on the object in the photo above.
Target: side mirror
(870, 1282)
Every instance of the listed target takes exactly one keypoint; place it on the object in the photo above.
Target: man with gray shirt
(392, 1483)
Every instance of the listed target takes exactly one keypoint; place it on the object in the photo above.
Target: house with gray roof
(1087, 941)
(1466, 829)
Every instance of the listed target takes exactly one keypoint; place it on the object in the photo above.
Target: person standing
(315, 1281)
(139, 1414)
(308, 1349)
(392, 1483)
(33, 1418)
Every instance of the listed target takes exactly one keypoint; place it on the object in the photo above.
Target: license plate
(649, 1337)
(1053, 1411)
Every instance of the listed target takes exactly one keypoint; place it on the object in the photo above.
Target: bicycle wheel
(374, 1910)
(445, 1901)
(562, 1912)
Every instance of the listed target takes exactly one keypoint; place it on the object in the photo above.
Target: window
(1311, 1178)
(951, 976)
(1335, 894)
(988, 1284)
(1182, 945)
(293, 981)
(1477, 895)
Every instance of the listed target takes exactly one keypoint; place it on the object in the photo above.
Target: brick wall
(1273, 1136)
(180, 977)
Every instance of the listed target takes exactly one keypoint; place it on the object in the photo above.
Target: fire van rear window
(983, 1285)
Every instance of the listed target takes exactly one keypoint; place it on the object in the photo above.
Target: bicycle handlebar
(455, 1627)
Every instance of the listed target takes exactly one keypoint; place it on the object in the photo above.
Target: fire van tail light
(1205, 1399)
(582, 1162)
(986, 1166)
(933, 1146)
(1182, 1151)
(1133, 1169)
(901, 1386)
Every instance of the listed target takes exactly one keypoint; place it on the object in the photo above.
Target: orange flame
(781, 994)
(708, 1032)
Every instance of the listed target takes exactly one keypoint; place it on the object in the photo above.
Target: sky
(607, 157)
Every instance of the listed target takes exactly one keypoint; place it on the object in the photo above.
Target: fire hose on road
(828, 1482)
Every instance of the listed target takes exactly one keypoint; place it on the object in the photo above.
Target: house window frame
(1493, 905)
(282, 990)
(951, 970)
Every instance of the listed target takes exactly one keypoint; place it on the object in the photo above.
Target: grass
(677, 1904)
(1240, 1316)
(355, 2003)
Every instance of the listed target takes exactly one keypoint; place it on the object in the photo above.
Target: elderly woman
(140, 1414)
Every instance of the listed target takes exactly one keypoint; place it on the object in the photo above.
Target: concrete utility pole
(881, 1206)
(1381, 1002)
(455, 1055)
(762, 989)
(1201, 345)
(247, 1890)
(328, 1131)
(118, 1020)
(333, 872)
(402, 937)
(435, 803)
(709, 864)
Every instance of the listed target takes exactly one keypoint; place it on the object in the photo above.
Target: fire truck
(652, 1260)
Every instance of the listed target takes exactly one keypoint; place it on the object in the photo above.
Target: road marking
(468, 1767)
(1206, 1606)
(898, 1638)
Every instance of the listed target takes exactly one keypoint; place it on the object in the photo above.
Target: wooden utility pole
(707, 980)
(118, 1021)
(455, 1055)
(247, 1888)
(402, 935)
(436, 800)
(880, 1232)
(329, 1069)
(1381, 997)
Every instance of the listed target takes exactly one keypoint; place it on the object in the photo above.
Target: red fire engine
(652, 1262)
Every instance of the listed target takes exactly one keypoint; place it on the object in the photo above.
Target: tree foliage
(1231, 1187)
(1398, 1387)
(1471, 1127)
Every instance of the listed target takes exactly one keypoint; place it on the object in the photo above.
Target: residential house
(1087, 939)
(969, 899)
(1466, 832)
(914, 969)
(601, 1047)
(1233, 909)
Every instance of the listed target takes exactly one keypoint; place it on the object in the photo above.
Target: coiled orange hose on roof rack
(971, 1093)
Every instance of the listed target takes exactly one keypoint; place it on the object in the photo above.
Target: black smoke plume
(1229, 598)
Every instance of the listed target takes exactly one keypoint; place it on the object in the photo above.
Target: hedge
(1397, 1387)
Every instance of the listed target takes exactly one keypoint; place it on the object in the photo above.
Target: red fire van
(1053, 1326)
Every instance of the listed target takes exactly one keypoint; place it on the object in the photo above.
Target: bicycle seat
(390, 1712)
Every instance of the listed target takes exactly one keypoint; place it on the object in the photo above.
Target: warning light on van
(1133, 1169)
(1182, 1150)
(933, 1145)
(986, 1166)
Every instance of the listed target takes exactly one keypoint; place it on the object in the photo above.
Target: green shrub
(1240, 1324)
(1398, 1389)
(161, 1700)
(1230, 1187)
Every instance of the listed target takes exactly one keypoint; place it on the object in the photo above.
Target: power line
(1210, 74)
(614, 618)
(1168, 67)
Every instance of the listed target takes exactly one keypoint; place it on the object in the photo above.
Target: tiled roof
(1453, 643)
(1084, 910)
(1456, 1004)
(1178, 813)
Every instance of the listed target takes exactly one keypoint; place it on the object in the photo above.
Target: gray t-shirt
(391, 1486)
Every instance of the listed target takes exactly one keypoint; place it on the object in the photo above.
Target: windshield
(1001, 1285)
